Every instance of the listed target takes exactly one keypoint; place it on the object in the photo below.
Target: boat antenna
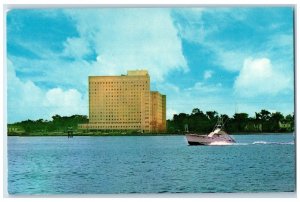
(236, 108)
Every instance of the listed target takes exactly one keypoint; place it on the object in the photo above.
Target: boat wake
(264, 143)
(220, 143)
(253, 143)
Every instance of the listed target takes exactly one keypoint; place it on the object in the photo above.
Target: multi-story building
(158, 111)
(125, 103)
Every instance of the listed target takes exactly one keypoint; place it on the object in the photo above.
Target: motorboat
(217, 137)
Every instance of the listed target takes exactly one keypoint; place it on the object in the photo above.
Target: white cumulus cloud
(131, 39)
(67, 102)
(259, 76)
(28, 101)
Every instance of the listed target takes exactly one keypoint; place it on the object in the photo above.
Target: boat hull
(195, 139)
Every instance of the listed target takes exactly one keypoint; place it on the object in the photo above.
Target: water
(155, 164)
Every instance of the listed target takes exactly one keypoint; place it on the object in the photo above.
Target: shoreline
(134, 134)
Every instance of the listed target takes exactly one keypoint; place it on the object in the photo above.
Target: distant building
(125, 103)
(285, 125)
(11, 128)
(257, 127)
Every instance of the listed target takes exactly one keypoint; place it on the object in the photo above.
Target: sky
(224, 59)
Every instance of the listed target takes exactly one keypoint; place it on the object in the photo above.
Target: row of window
(114, 103)
(123, 127)
(115, 123)
(109, 114)
(116, 108)
(110, 94)
(116, 119)
(125, 105)
(117, 82)
(134, 117)
(118, 89)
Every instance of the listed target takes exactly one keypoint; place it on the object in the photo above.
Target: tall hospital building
(125, 103)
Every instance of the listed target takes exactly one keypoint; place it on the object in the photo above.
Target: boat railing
(219, 124)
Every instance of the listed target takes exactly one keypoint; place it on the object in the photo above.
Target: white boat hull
(195, 139)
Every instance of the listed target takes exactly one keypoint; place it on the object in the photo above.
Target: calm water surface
(156, 164)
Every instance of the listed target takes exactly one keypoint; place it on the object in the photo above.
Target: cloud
(28, 101)
(170, 113)
(111, 41)
(201, 87)
(131, 39)
(260, 77)
(208, 74)
(76, 47)
(119, 39)
(234, 34)
(166, 87)
(192, 29)
(55, 72)
(67, 102)
(197, 25)
(200, 26)
(230, 60)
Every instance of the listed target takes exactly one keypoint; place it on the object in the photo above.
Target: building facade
(158, 112)
(125, 103)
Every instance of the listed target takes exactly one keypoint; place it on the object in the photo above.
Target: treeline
(200, 122)
(58, 124)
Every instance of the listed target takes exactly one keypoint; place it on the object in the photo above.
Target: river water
(149, 164)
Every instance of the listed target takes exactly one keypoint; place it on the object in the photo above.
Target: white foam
(264, 142)
(221, 143)
(260, 142)
(238, 144)
(253, 143)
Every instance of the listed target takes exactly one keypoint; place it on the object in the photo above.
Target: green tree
(240, 120)
(196, 111)
(265, 115)
(212, 115)
(274, 121)
(180, 120)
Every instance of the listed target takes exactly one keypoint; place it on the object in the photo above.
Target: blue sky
(235, 59)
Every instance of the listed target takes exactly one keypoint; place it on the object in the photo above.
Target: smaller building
(13, 129)
(158, 112)
(253, 127)
(285, 125)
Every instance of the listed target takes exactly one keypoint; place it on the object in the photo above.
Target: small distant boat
(217, 137)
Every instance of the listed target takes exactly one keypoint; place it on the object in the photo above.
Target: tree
(240, 121)
(240, 116)
(180, 120)
(200, 122)
(211, 115)
(277, 116)
(274, 121)
(196, 111)
(265, 115)
(290, 119)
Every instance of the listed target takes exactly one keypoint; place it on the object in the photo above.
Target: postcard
(150, 100)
